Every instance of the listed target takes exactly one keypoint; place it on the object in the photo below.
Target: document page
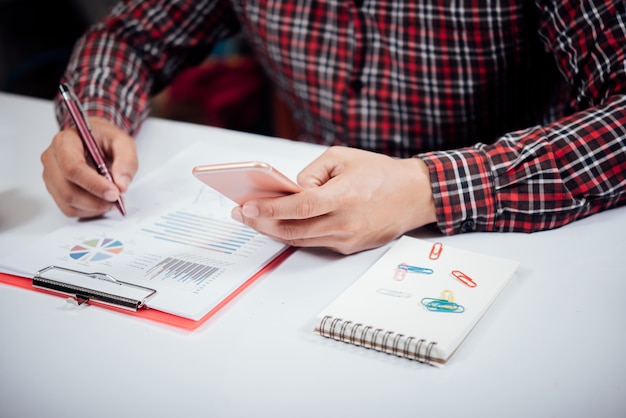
(178, 238)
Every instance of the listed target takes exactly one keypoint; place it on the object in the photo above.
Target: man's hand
(77, 188)
(353, 200)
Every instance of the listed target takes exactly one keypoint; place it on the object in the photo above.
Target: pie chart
(96, 249)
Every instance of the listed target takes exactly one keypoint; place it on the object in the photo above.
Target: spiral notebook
(419, 301)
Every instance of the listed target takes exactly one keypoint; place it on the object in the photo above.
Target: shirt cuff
(463, 190)
(94, 107)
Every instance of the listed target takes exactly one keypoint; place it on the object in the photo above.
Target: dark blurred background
(36, 38)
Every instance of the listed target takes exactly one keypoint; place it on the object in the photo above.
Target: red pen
(84, 131)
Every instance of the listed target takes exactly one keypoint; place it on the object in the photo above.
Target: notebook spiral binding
(377, 339)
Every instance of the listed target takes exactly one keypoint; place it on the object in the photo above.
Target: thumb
(124, 165)
(319, 171)
(120, 150)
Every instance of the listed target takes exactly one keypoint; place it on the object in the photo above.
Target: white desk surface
(553, 345)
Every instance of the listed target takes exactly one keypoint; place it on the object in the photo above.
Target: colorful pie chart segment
(96, 249)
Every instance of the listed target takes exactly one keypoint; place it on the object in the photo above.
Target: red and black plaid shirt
(518, 108)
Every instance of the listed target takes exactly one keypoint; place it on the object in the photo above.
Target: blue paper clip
(415, 269)
(442, 305)
(404, 268)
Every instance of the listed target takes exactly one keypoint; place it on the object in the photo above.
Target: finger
(74, 184)
(309, 203)
(76, 202)
(317, 232)
(71, 199)
(121, 149)
(319, 171)
(74, 168)
(296, 229)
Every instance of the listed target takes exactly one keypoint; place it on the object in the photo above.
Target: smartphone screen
(243, 181)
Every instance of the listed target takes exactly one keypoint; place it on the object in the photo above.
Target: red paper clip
(463, 278)
(435, 251)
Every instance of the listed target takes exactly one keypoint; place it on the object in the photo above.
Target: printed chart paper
(178, 238)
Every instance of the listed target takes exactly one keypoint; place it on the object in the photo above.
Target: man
(506, 115)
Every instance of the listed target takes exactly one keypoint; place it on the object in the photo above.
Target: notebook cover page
(393, 300)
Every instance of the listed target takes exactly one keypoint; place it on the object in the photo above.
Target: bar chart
(199, 231)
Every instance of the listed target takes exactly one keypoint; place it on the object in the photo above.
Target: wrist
(423, 201)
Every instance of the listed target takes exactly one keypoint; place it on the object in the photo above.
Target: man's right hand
(77, 188)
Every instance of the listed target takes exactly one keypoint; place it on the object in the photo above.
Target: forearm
(546, 176)
(136, 51)
(114, 86)
(535, 179)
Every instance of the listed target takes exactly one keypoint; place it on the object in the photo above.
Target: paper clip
(442, 305)
(435, 251)
(447, 295)
(415, 269)
(399, 275)
(394, 293)
(404, 268)
(463, 278)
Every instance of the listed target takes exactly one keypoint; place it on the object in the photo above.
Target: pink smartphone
(243, 181)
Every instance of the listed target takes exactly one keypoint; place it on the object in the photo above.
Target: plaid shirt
(518, 109)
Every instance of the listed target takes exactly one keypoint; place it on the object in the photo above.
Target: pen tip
(121, 207)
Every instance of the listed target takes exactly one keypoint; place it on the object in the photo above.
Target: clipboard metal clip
(98, 287)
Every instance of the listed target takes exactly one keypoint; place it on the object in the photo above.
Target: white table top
(552, 345)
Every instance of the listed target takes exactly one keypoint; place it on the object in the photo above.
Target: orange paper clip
(447, 295)
(435, 251)
(463, 278)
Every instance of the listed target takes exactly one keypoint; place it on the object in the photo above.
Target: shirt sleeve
(544, 177)
(136, 50)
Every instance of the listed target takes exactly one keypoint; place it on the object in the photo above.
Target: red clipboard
(156, 315)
